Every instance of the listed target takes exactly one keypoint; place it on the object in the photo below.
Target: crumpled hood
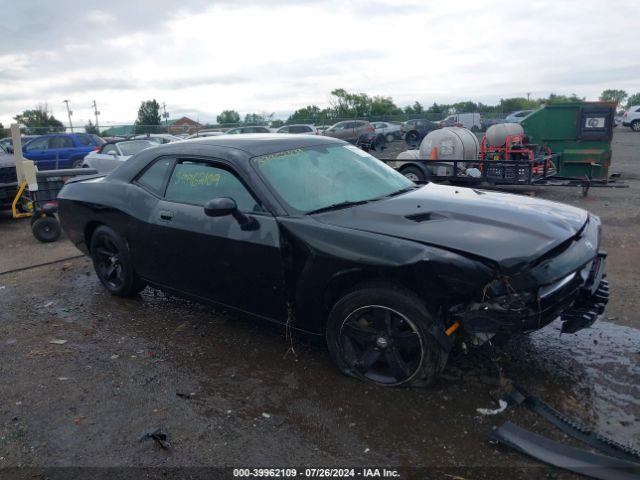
(508, 229)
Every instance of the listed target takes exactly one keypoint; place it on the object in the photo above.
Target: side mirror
(223, 206)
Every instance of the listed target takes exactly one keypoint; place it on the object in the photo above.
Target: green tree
(465, 107)
(380, 106)
(310, 114)
(415, 109)
(613, 95)
(228, 116)
(517, 103)
(148, 117)
(91, 128)
(633, 100)
(435, 108)
(554, 98)
(39, 121)
(277, 123)
(257, 118)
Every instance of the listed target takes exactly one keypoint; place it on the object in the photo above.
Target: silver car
(112, 155)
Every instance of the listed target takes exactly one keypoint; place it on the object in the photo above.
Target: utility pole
(528, 95)
(165, 115)
(69, 113)
(96, 112)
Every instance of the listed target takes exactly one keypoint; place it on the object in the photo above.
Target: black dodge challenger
(318, 235)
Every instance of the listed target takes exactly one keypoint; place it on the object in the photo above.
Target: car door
(61, 149)
(38, 151)
(215, 258)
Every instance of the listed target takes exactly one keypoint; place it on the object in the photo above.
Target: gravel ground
(84, 374)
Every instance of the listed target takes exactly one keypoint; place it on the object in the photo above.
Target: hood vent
(425, 217)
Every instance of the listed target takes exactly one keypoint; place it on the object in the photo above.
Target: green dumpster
(580, 132)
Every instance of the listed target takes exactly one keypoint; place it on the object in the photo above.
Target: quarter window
(196, 183)
(109, 149)
(84, 140)
(153, 178)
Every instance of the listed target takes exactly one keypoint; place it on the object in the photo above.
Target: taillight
(96, 148)
(371, 129)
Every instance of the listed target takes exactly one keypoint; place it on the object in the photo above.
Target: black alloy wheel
(108, 263)
(112, 263)
(46, 229)
(383, 334)
(381, 345)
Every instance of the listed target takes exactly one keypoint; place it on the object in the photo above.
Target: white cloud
(256, 56)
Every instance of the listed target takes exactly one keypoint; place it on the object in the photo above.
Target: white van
(466, 120)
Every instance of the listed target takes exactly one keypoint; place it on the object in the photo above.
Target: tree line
(342, 104)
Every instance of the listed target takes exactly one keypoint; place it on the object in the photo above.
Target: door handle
(166, 215)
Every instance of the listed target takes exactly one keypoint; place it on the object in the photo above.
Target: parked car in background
(8, 141)
(299, 128)
(111, 155)
(358, 132)
(391, 131)
(631, 118)
(486, 122)
(322, 128)
(254, 129)
(311, 228)
(60, 150)
(158, 138)
(416, 130)
(205, 133)
(466, 120)
(517, 117)
(8, 178)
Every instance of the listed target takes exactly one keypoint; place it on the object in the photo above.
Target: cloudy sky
(202, 57)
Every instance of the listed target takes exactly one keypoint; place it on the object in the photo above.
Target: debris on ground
(185, 395)
(67, 266)
(159, 435)
(493, 411)
(57, 341)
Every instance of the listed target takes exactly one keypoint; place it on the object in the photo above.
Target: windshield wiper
(402, 190)
(337, 206)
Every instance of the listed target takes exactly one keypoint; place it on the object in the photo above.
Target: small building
(183, 125)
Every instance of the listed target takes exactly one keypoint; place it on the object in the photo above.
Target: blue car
(60, 150)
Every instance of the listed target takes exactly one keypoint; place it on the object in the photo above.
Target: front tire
(112, 263)
(390, 137)
(635, 125)
(381, 334)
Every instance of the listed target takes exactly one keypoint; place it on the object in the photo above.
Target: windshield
(314, 178)
(133, 147)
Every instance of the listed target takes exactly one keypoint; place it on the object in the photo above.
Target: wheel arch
(89, 229)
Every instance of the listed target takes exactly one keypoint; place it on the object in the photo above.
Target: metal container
(496, 135)
(451, 143)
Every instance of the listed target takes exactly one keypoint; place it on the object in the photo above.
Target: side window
(38, 144)
(153, 178)
(60, 142)
(196, 183)
(109, 149)
(84, 140)
(284, 130)
(638, 109)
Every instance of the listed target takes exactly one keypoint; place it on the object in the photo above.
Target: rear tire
(389, 137)
(46, 229)
(77, 163)
(413, 173)
(112, 262)
(380, 334)
(635, 125)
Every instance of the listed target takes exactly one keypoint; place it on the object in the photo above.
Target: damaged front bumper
(578, 299)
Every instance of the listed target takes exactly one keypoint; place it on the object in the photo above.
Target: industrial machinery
(565, 144)
(580, 133)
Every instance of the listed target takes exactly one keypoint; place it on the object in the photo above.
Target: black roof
(234, 148)
(260, 143)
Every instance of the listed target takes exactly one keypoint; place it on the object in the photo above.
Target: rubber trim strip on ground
(519, 396)
(563, 456)
(21, 269)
